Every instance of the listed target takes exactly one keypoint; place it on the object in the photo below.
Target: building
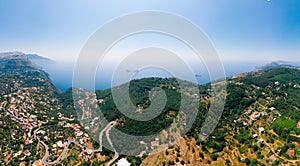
(79, 133)
(270, 119)
(290, 153)
(260, 141)
(272, 109)
(261, 130)
(123, 162)
(38, 163)
(60, 144)
(155, 143)
(273, 158)
(298, 125)
(27, 153)
(255, 115)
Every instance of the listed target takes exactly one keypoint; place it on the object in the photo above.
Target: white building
(123, 162)
(261, 129)
(272, 109)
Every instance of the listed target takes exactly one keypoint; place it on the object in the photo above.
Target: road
(107, 128)
(280, 157)
(111, 144)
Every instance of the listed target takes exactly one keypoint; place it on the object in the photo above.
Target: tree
(247, 161)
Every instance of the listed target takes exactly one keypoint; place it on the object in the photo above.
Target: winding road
(280, 157)
(107, 128)
(111, 144)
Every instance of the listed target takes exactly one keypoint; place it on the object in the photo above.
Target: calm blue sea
(61, 73)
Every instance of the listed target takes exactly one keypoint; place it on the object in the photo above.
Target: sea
(61, 73)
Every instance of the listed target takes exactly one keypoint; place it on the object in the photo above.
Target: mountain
(27, 100)
(59, 72)
(277, 64)
(34, 58)
(41, 61)
(258, 125)
(15, 61)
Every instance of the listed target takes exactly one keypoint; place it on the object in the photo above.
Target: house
(264, 113)
(290, 153)
(27, 153)
(38, 163)
(171, 113)
(255, 136)
(261, 129)
(89, 151)
(27, 142)
(260, 141)
(255, 115)
(41, 132)
(46, 138)
(60, 144)
(154, 143)
(272, 158)
(23, 164)
(272, 109)
(79, 133)
(123, 162)
(248, 112)
(298, 125)
(270, 119)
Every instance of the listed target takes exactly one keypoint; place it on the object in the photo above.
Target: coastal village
(37, 130)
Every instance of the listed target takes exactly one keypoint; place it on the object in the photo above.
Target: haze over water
(61, 73)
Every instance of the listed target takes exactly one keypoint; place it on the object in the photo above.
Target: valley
(39, 125)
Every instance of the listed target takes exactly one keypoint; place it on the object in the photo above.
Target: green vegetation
(242, 93)
(247, 127)
(284, 126)
(139, 95)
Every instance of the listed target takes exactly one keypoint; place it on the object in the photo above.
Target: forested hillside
(260, 124)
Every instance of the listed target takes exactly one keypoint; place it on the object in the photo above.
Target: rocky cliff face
(22, 59)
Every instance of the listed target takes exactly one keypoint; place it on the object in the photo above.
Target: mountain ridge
(38, 60)
(277, 64)
(258, 101)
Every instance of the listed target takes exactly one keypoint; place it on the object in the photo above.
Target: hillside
(36, 60)
(28, 102)
(258, 125)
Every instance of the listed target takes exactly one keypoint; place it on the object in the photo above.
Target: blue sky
(240, 29)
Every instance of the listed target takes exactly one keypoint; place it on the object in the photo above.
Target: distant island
(260, 124)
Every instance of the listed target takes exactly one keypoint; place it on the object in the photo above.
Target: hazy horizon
(258, 30)
(245, 34)
(61, 73)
